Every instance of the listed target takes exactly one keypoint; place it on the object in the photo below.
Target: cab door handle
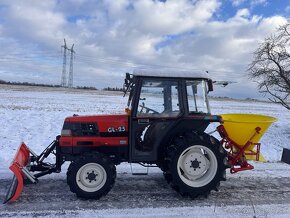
(143, 121)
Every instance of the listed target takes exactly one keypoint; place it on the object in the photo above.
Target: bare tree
(271, 66)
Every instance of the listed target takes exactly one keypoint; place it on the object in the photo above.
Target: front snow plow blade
(17, 166)
(25, 163)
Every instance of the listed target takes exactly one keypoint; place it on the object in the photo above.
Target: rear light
(66, 132)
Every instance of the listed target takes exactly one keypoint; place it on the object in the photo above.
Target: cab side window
(158, 98)
(196, 95)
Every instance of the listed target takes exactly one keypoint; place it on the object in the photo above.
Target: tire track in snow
(146, 191)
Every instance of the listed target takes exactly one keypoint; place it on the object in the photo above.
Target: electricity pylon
(70, 78)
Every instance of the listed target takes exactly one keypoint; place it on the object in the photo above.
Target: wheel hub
(91, 176)
(195, 164)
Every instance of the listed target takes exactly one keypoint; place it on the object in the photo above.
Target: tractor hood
(105, 123)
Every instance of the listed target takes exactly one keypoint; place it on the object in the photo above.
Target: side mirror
(127, 83)
(128, 76)
(194, 89)
(210, 85)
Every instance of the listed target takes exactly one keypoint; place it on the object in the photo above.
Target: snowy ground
(264, 192)
(35, 115)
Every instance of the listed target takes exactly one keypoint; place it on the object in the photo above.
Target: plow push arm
(25, 162)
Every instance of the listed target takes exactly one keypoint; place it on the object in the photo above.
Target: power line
(50, 60)
(117, 62)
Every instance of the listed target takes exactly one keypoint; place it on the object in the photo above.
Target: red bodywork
(112, 131)
(114, 127)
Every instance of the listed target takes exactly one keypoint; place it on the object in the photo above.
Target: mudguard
(20, 161)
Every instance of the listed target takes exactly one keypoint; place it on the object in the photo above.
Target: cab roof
(171, 74)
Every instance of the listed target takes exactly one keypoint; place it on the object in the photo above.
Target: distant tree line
(86, 87)
(43, 85)
(27, 84)
(113, 89)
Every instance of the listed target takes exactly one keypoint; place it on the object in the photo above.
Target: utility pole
(70, 78)
(63, 77)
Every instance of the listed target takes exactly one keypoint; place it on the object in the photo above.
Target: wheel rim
(91, 177)
(197, 166)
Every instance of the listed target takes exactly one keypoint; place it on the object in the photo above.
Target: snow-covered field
(35, 115)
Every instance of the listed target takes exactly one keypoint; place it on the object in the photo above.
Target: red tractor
(164, 125)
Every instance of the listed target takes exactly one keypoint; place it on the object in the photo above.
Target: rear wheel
(91, 176)
(196, 164)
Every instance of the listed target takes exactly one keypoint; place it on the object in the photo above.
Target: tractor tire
(196, 163)
(91, 176)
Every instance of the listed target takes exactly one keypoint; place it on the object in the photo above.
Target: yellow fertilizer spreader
(240, 136)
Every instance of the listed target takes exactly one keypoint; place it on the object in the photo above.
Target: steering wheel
(147, 109)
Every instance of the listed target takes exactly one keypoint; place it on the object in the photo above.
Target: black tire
(196, 163)
(91, 176)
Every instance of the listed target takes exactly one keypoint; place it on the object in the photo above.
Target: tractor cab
(169, 95)
(161, 105)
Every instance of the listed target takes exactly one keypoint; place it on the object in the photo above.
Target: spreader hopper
(241, 134)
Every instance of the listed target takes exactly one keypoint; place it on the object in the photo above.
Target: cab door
(156, 108)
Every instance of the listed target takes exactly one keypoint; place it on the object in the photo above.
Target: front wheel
(91, 176)
(196, 164)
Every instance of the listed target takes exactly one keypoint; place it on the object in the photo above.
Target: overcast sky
(112, 37)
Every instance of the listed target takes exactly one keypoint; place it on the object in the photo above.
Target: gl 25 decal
(117, 129)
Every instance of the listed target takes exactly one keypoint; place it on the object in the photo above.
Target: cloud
(112, 37)
(156, 17)
(225, 48)
(254, 3)
(37, 23)
(251, 3)
(237, 2)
